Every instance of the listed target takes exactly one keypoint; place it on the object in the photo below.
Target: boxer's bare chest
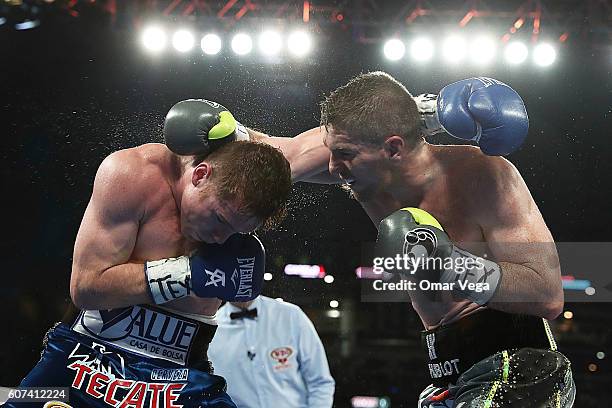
(449, 204)
(159, 236)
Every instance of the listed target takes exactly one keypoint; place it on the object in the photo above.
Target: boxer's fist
(231, 271)
(421, 251)
(483, 110)
(416, 235)
(198, 126)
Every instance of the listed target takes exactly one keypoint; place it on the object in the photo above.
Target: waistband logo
(431, 349)
(445, 368)
(141, 330)
(99, 359)
(170, 374)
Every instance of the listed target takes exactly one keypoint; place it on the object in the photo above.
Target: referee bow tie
(251, 314)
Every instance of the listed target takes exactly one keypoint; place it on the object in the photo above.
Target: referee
(269, 351)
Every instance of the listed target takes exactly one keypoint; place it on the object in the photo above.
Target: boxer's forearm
(523, 290)
(118, 286)
(306, 153)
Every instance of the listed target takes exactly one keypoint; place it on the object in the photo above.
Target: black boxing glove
(412, 242)
(198, 126)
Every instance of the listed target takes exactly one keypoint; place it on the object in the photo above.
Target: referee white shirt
(273, 360)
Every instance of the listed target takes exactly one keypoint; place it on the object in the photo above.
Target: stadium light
(394, 49)
(422, 49)
(516, 53)
(211, 44)
(544, 55)
(154, 39)
(183, 41)
(242, 44)
(270, 43)
(482, 50)
(454, 49)
(299, 43)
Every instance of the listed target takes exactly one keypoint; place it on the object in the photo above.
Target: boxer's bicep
(101, 242)
(108, 231)
(514, 228)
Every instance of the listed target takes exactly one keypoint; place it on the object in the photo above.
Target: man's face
(205, 217)
(360, 166)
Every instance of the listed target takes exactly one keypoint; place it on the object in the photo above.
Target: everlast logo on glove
(245, 286)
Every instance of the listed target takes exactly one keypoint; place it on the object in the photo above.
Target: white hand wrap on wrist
(168, 279)
(428, 110)
(242, 132)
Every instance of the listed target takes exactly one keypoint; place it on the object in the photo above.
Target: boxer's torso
(159, 233)
(452, 198)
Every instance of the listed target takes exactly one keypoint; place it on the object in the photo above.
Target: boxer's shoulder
(472, 168)
(466, 157)
(135, 165)
(126, 176)
(490, 185)
(496, 176)
(476, 182)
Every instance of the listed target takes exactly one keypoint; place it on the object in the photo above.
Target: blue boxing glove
(231, 271)
(482, 110)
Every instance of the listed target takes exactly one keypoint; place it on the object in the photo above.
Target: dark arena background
(81, 79)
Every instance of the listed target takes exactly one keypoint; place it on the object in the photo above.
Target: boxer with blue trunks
(164, 240)
(137, 356)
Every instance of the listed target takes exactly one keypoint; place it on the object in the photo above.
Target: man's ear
(201, 172)
(394, 147)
